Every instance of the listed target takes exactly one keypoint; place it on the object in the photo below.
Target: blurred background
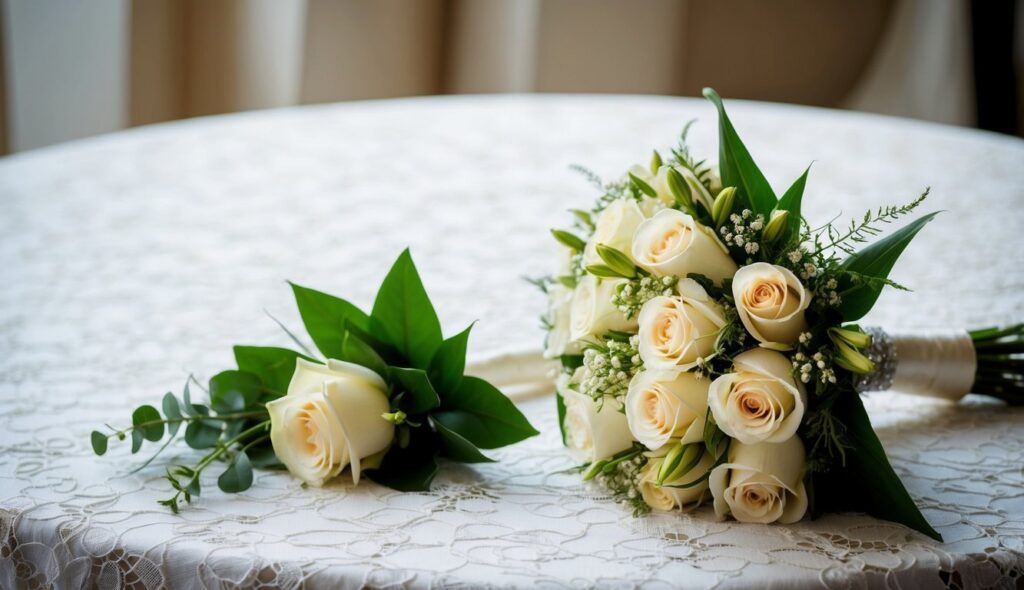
(72, 68)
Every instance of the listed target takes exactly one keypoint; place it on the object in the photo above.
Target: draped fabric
(158, 60)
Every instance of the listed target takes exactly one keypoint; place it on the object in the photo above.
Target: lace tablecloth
(132, 260)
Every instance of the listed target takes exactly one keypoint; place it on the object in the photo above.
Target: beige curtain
(199, 57)
(184, 58)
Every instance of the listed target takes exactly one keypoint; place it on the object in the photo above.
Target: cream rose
(759, 401)
(673, 243)
(592, 313)
(559, 313)
(591, 434)
(614, 227)
(761, 483)
(665, 498)
(330, 419)
(770, 301)
(662, 406)
(678, 332)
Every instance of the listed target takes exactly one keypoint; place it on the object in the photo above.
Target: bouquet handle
(934, 363)
(947, 364)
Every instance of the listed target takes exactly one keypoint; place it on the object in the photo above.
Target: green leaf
(172, 411)
(569, 240)
(324, 317)
(202, 434)
(193, 488)
(680, 190)
(642, 186)
(354, 350)
(99, 442)
(449, 362)
(409, 469)
(584, 217)
(187, 407)
(386, 351)
(605, 272)
(420, 395)
(263, 457)
(875, 261)
(457, 448)
(617, 261)
(483, 415)
(238, 476)
(274, 366)
(571, 361)
(737, 166)
(791, 201)
(404, 316)
(147, 423)
(867, 482)
(137, 439)
(560, 406)
(233, 391)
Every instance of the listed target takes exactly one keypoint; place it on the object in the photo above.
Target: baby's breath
(632, 295)
(608, 369)
(623, 483)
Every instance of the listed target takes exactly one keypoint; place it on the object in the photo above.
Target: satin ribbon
(519, 375)
(938, 364)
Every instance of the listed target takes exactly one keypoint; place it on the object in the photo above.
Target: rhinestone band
(882, 352)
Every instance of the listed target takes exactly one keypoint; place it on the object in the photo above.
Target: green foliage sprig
(438, 410)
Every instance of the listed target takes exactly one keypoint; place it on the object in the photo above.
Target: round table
(134, 259)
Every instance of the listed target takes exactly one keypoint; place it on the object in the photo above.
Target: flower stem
(182, 419)
(211, 457)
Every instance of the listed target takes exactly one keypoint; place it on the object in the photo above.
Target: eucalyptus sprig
(437, 410)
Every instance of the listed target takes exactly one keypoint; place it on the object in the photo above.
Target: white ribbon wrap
(938, 364)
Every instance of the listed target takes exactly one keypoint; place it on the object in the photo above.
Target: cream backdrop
(74, 70)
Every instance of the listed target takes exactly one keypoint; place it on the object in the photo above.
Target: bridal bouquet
(386, 395)
(710, 352)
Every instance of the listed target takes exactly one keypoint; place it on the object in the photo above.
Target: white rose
(593, 313)
(665, 405)
(770, 301)
(715, 179)
(673, 243)
(330, 419)
(659, 182)
(564, 256)
(761, 483)
(559, 313)
(614, 227)
(591, 434)
(666, 498)
(760, 401)
(678, 332)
